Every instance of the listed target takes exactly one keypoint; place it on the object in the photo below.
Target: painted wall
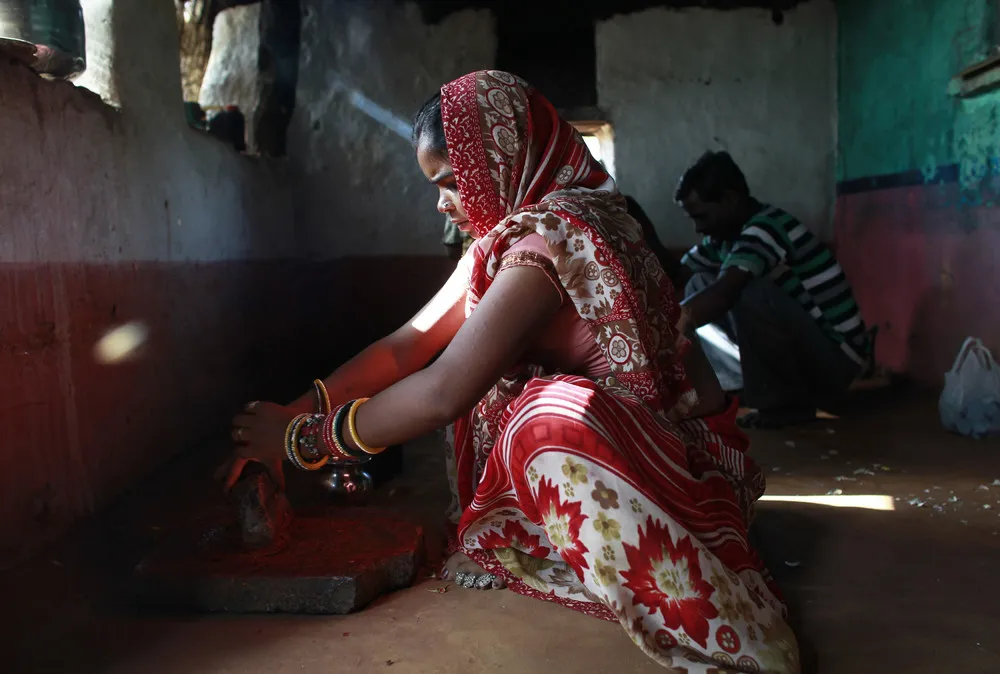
(917, 226)
(896, 58)
(364, 213)
(127, 215)
(678, 82)
(110, 216)
(364, 71)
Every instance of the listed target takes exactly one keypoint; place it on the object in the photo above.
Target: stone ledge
(337, 561)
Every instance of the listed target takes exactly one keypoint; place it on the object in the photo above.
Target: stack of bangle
(300, 442)
(308, 434)
(333, 436)
(333, 433)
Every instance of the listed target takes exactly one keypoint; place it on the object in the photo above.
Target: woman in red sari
(586, 470)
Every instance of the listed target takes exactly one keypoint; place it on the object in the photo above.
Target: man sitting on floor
(763, 281)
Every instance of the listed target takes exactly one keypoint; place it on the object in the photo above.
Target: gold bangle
(290, 427)
(353, 430)
(323, 396)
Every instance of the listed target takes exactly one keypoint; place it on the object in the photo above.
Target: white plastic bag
(970, 402)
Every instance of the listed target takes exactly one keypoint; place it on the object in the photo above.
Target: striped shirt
(775, 245)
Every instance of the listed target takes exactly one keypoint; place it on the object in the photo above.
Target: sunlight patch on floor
(866, 501)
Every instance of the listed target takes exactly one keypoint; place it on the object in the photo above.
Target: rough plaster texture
(98, 76)
(112, 216)
(232, 76)
(364, 71)
(675, 83)
(895, 113)
(138, 184)
(895, 60)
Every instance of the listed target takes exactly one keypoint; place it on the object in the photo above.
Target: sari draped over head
(521, 169)
(587, 491)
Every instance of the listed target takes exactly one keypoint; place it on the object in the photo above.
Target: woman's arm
(513, 312)
(516, 308)
(401, 353)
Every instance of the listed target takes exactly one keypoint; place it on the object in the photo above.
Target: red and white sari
(598, 494)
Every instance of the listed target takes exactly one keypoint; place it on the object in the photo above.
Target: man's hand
(682, 327)
(684, 322)
(711, 304)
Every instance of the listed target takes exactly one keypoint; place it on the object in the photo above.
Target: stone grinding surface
(335, 561)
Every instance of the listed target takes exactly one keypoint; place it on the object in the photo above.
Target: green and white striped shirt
(775, 245)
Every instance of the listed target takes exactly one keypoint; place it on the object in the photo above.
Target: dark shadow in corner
(278, 69)
(787, 540)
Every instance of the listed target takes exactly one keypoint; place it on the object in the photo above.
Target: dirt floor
(913, 590)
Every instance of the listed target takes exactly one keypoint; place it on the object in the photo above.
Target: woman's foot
(466, 573)
(774, 419)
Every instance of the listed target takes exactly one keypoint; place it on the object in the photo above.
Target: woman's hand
(259, 434)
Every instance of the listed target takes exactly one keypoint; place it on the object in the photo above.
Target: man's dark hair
(428, 125)
(714, 174)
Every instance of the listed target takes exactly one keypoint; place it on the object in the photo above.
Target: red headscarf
(520, 169)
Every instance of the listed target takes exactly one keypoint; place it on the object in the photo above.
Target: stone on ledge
(262, 509)
(336, 561)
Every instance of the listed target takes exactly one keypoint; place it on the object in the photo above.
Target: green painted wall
(895, 60)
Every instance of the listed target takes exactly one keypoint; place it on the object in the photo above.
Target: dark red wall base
(78, 432)
(926, 269)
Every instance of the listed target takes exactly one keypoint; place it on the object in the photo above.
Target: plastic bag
(970, 402)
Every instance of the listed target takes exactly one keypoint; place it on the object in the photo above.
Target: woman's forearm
(373, 370)
(412, 407)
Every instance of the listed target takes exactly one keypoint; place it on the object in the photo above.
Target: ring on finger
(252, 405)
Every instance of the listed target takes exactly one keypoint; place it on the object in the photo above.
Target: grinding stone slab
(336, 561)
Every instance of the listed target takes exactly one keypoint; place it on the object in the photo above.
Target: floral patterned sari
(599, 494)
